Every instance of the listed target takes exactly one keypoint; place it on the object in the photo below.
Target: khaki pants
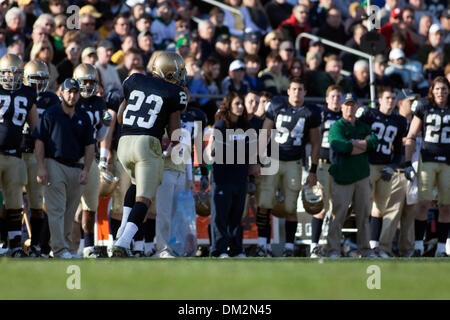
(62, 197)
(398, 212)
(324, 178)
(89, 198)
(381, 189)
(13, 179)
(343, 196)
(119, 192)
(35, 190)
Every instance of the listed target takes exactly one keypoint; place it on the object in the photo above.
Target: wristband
(204, 171)
(313, 168)
(104, 153)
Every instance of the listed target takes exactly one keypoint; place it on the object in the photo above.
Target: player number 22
(155, 103)
(433, 124)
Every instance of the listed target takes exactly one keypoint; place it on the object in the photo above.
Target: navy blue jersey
(44, 100)
(94, 106)
(150, 101)
(256, 123)
(328, 118)
(390, 130)
(232, 160)
(14, 108)
(292, 126)
(435, 131)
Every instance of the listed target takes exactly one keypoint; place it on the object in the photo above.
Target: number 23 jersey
(14, 108)
(292, 126)
(435, 131)
(150, 101)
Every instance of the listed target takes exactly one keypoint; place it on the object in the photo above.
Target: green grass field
(204, 278)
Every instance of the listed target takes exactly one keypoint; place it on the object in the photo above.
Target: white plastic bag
(183, 231)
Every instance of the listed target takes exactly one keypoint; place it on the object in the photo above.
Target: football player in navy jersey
(296, 124)
(330, 114)
(432, 118)
(151, 104)
(36, 75)
(390, 129)
(17, 106)
(95, 106)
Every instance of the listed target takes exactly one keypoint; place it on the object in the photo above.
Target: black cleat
(288, 253)
(138, 254)
(121, 252)
(315, 253)
(260, 252)
(18, 253)
(35, 252)
(416, 254)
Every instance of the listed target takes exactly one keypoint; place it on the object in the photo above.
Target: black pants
(226, 218)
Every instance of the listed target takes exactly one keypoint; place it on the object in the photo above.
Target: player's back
(150, 101)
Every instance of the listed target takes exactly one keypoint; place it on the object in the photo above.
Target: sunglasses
(61, 25)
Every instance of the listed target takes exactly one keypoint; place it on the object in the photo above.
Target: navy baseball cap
(252, 36)
(407, 94)
(70, 84)
(349, 97)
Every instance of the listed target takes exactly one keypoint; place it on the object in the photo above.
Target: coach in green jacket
(350, 140)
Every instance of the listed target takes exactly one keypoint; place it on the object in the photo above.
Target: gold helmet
(312, 198)
(170, 67)
(11, 72)
(36, 75)
(108, 182)
(203, 203)
(87, 76)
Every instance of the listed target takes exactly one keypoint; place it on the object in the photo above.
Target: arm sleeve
(337, 140)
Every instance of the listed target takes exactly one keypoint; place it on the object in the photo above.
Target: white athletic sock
(312, 246)
(447, 246)
(139, 245)
(262, 242)
(80, 247)
(418, 245)
(373, 244)
(128, 234)
(148, 247)
(440, 247)
(123, 223)
(289, 246)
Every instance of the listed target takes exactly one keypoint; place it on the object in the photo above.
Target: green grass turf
(204, 278)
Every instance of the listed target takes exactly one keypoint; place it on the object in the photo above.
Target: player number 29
(155, 103)
(433, 126)
(386, 134)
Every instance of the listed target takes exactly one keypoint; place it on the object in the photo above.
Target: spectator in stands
(183, 47)
(216, 16)
(385, 12)
(121, 29)
(255, 18)
(128, 42)
(447, 72)
(27, 7)
(194, 80)
(379, 65)
(72, 48)
(349, 59)
(396, 24)
(185, 13)
(356, 13)
(286, 53)
(15, 22)
(318, 82)
(57, 6)
(210, 75)
(313, 60)
(89, 55)
(408, 19)
(108, 73)
(145, 45)
(251, 42)
(296, 68)
(143, 23)
(277, 11)
(435, 42)
(131, 59)
(234, 21)
(17, 48)
(419, 10)
(252, 68)
(3, 47)
(57, 36)
(223, 54)
(4, 6)
(39, 33)
(410, 72)
(445, 22)
(360, 79)
(272, 41)
(235, 81)
(333, 30)
(424, 25)
(296, 24)
(164, 26)
(195, 46)
(318, 14)
(274, 81)
(43, 50)
(90, 37)
(434, 66)
(206, 34)
(236, 46)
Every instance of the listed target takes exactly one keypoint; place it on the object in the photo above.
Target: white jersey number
(283, 133)
(386, 134)
(433, 124)
(326, 126)
(20, 112)
(155, 103)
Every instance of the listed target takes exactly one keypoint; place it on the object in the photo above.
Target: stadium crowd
(244, 51)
